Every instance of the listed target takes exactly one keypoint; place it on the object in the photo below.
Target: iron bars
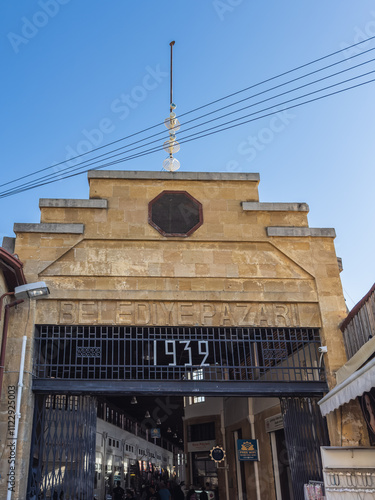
(184, 353)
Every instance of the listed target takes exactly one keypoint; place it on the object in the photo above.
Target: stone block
(222, 257)
(202, 269)
(9, 244)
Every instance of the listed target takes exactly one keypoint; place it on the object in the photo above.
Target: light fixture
(180, 441)
(169, 430)
(133, 401)
(31, 291)
(158, 422)
(147, 414)
(174, 436)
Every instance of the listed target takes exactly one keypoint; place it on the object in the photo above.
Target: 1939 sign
(182, 352)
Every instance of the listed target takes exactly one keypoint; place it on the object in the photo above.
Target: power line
(202, 107)
(91, 162)
(185, 139)
(22, 189)
(237, 102)
(281, 74)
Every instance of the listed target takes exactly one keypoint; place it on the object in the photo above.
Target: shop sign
(274, 423)
(200, 445)
(155, 433)
(247, 449)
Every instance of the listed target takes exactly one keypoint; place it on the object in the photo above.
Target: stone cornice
(293, 231)
(274, 207)
(69, 203)
(48, 228)
(176, 176)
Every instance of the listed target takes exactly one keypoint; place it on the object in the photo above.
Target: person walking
(203, 495)
(164, 492)
(178, 494)
(152, 495)
(191, 494)
(118, 493)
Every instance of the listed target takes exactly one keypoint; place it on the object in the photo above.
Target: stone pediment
(166, 259)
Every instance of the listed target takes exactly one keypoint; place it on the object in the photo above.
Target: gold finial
(171, 146)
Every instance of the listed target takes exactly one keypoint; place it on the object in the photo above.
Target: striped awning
(362, 380)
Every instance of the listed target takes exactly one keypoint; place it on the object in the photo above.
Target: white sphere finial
(171, 164)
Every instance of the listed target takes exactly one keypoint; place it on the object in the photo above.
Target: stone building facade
(11, 276)
(123, 258)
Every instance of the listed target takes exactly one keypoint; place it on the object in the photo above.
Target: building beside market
(180, 284)
(11, 276)
(353, 462)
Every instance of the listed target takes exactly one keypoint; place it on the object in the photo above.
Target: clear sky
(80, 74)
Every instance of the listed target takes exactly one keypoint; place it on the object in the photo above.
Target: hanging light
(174, 436)
(169, 430)
(180, 441)
(147, 414)
(158, 422)
(133, 401)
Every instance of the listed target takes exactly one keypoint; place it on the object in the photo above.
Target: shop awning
(355, 385)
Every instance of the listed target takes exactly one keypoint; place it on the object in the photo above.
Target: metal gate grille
(166, 353)
(305, 432)
(63, 448)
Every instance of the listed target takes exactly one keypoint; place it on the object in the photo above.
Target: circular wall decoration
(217, 454)
(175, 213)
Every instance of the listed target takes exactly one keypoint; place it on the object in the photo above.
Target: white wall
(211, 406)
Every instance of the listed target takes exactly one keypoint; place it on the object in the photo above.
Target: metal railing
(359, 326)
(165, 353)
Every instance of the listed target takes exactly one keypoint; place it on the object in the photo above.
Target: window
(197, 375)
(204, 469)
(201, 432)
(198, 399)
(175, 213)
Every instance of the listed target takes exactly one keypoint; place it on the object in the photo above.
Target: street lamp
(31, 291)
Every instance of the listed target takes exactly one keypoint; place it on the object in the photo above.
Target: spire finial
(171, 77)
(171, 145)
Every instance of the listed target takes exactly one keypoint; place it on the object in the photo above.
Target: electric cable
(194, 119)
(202, 107)
(158, 148)
(22, 189)
(75, 167)
(215, 111)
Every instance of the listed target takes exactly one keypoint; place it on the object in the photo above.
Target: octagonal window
(175, 213)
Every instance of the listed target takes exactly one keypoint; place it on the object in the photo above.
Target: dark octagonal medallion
(175, 213)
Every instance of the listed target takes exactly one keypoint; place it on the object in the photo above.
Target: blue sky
(69, 66)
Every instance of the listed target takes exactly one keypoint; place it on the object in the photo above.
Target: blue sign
(155, 433)
(247, 449)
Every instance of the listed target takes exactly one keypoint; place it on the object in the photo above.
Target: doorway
(110, 366)
(281, 466)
